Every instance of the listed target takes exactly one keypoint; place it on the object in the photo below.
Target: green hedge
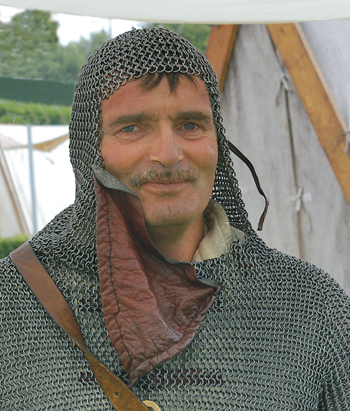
(11, 243)
(13, 112)
(36, 91)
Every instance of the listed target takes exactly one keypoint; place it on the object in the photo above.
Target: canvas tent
(286, 122)
(197, 11)
(53, 177)
(12, 220)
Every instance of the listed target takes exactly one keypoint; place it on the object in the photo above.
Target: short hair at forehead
(151, 80)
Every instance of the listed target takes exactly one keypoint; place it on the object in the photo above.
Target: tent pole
(32, 179)
(316, 97)
(219, 49)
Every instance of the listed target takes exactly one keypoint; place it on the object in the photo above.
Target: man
(174, 292)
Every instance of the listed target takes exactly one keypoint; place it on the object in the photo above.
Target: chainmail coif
(277, 337)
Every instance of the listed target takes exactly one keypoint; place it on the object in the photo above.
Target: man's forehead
(140, 96)
(151, 81)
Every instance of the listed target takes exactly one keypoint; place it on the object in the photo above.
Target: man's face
(163, 147)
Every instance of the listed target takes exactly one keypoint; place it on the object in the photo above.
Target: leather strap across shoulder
(46, 291)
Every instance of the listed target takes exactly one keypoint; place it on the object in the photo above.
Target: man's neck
(178, 243)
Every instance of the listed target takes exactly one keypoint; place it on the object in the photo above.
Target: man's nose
(166, 148)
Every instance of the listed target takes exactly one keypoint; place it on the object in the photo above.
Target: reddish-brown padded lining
(152, 307)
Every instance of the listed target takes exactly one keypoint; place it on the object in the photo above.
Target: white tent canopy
(54, 178)
(197, 11)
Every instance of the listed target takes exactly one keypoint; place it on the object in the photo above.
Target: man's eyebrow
(195, 116)
(130, 119)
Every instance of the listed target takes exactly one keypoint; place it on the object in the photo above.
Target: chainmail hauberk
(276, 337)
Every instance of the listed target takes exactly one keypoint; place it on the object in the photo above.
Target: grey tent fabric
(309, 216)
(329, 41)
(197, 11)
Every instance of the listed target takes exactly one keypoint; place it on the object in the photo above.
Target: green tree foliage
(70, 58)
(29, 48)
(27, 45)
(32, 113)
(197, 34)
(11, 243)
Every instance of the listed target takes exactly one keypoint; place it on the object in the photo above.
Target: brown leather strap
(240, 155)
(46, 291)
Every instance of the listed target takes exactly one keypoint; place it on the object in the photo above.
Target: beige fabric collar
(218, 234)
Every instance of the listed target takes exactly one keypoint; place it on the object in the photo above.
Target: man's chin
(178, 212)
(168, 222)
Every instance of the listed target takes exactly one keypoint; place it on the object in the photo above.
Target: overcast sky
(73, 27)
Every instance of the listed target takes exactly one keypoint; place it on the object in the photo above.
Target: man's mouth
(163, 181)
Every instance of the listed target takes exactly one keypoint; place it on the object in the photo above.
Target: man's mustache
(163, 176)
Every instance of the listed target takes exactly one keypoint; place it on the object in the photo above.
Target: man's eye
(129, 129)
(190, 126)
